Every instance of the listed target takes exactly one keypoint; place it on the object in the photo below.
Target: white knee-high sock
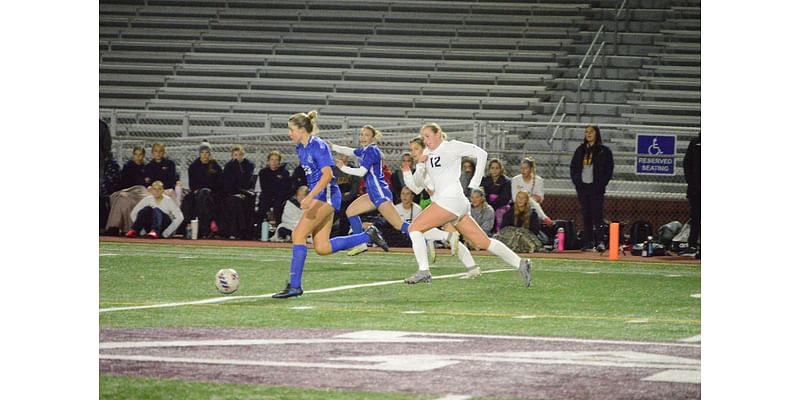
(420, 249)
(465, 256)
(499, 249)
(435, 234)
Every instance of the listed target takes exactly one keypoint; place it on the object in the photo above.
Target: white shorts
(458, 205)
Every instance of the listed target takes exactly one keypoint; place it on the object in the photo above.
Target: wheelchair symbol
(654, 149)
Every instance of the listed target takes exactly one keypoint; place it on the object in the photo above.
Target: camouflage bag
(519, 240)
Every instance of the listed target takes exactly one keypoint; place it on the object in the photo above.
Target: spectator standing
(591, 169)
(205, 184)
(161, 168)
(691, 172)
(398, 182)
(276, 187)
(299, 177)
(238, 203)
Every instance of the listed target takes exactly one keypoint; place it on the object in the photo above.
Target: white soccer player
(441, 160)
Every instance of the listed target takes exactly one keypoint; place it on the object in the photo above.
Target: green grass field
(568, 298)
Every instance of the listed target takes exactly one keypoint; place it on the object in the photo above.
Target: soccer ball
(226, 281)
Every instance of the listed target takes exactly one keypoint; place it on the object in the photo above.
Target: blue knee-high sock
(404, 228)
(299, 252)
(346, 242)
(355, 224)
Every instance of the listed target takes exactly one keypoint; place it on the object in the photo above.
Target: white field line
(261, 296)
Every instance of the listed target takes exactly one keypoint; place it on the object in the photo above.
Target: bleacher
(380, 58)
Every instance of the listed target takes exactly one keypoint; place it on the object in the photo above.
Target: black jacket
(205, 176)
(508, 220)
(238, 176)
(603, 169)
(134, 174)
(275, 185)
(691, 168)
(299, 178)
(163, 171)
(502, 188)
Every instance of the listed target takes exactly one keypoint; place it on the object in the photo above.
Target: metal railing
(582, 79)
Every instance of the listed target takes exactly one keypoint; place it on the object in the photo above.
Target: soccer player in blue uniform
(319, 206)
(378, 195)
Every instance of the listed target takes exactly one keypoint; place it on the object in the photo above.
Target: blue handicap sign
(655, 154)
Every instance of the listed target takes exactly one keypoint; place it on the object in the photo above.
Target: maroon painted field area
(418, 363)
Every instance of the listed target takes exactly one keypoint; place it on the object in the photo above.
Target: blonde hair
(275, 153)
(159, 146)
(303, 189)
(524, 214)
(435, 128)
(239, 148)
(157, 185)
(531, 164)
(306, 121)
(376, 134)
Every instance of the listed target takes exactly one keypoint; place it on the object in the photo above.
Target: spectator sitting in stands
(348, 184)
(481, 211)
(157, 214)
(276, 188)
(298, 178)
(528, 181)
(110, 177)
(408, 210)
(291, 216)
(134, 183)
(205, 183)
(467, 171)
(398, 183)
(497, 188)
(521, 215)
(238, 203)
(161, 168)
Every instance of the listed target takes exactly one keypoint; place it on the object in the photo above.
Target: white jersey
(444, 168)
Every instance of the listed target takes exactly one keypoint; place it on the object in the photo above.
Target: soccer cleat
(131, 233)
(420, 276)
(289, 291)
(525, 271)
(472, 273)
(357, 250)
(375, 237)
(431, 251)
(152, 234)
(452, 239)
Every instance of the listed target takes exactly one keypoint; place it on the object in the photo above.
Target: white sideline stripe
(549, 339)
(693, 339)
(261, 296)
(108, 254)
(455, 397)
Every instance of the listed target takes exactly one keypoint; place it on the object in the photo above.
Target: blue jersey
(370, 158)
(313, 157)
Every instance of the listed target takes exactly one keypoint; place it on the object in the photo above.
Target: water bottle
(649, 246)
(265, 231)
(559, 243)
(195, 226)
(188, 234)
(645, 248)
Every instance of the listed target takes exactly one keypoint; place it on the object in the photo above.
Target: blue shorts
(380, 194)
(332, 196)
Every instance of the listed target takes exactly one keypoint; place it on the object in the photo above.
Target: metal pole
(186, 125)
